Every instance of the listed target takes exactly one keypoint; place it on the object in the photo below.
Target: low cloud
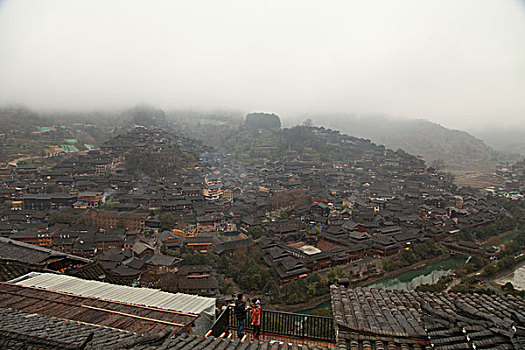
(456, 63)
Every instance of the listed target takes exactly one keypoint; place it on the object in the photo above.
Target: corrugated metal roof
(181, 302)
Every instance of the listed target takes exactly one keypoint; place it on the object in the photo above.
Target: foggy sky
(455, 62)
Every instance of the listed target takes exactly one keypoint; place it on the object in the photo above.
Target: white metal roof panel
(181, 302)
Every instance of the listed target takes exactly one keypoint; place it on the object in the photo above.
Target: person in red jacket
(256, 320)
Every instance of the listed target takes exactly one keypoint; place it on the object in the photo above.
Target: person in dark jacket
(240, 314)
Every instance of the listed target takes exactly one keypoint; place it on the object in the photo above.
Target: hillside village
(150, 197)
(151, 207)
(262, 175)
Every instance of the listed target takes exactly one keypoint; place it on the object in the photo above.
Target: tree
(52, 188)
(63, 218)
(508, 287)
(172, 252)
(255, 232)
(387, 265)
(272, 287)
(460, 288)
(109, 204)
(226, 288)
(334, 274)
(169, 282)
(166, 221)
(490, 269)
(262, 121)
(140, 163)
(145, 115)
(196, 258)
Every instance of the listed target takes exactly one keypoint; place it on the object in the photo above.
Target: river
(325, 305)
(429, 274)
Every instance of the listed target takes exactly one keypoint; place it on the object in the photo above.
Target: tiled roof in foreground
(22, 330)
(394, 319)
(212, 343)
(105, 313)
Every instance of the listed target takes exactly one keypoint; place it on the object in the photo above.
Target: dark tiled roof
(443, 320)
(372, 343)
(190, 269)
(212, 343)
(95, 271)
(11, 249)
(196, 284)
(21, 330)
(11, 269)
(163, 260)
(125, 317)
(376, 311)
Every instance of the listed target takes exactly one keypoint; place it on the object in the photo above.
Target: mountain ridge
(432, 141)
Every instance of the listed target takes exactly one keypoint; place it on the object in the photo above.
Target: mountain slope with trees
(456, 149)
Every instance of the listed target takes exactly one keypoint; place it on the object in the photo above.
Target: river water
(429, 274)
(325, 305)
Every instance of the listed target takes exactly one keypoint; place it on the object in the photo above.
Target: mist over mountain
(458, 149)
(457, 63)
(508, 140)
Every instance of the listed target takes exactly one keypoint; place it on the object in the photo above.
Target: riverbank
(405, 269)
(315, 302)
(514, 274)
(311, 304)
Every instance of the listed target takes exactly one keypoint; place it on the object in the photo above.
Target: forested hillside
(457, 149)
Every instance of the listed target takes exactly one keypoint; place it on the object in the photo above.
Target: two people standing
(255, 314)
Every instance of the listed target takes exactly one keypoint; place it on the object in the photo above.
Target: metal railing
(280, 324)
